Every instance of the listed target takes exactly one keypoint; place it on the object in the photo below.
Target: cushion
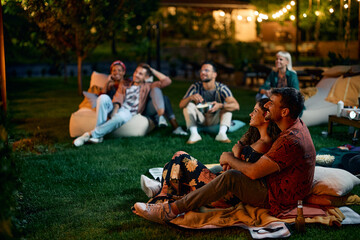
(346, 89)
(336, 71)
(326, 83)
(327, 200)
(84, 120)
(98, 79)
(91, 97)
(333, 181)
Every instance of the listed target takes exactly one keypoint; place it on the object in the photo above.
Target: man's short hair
(147, 68)
(210, 63)
(291, 99)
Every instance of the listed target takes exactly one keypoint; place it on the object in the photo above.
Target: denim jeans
(104, 106)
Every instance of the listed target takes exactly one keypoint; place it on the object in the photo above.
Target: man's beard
(206, 80)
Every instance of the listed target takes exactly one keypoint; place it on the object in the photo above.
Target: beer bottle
(300, 220)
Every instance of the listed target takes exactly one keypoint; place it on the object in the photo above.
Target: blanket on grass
(259, 222)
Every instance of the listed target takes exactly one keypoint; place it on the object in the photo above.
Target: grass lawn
(87, 192)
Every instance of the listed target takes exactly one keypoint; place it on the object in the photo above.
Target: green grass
(87, 192)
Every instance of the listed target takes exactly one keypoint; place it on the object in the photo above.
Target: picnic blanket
(262, 225)
(258, 220)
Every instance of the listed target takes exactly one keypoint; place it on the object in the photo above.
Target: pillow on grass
(333, 181)
(336, 71)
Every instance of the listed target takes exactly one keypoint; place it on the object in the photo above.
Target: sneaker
(96, 140)
(82, 139)
(180, 131)
(159, 213)
(162, 121)
(194, 138)
(221, 137)
(150, 186)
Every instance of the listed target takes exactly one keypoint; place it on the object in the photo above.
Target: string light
(346, 5)
(331, 10)
(292, 17)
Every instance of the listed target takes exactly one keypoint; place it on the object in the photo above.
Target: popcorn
(325, 160)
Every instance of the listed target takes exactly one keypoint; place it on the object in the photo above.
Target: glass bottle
(300, 220)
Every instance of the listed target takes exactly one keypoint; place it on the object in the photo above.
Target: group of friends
(124, 98)
(271, 166)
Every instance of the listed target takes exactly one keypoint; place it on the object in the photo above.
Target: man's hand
(215, 106)
(226, 167)
(197, 98)
(226, 158)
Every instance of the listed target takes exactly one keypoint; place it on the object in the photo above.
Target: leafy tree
(78, 26)
(72, 25)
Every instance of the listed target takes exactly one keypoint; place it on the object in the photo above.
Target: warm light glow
(239, 17)
(264, 16)
(284, 10)
(292, 17)
(93, 30)
(172, 11)
(346, 5)
(288, 7)
(256, 13)
(259, 19)
(304, 15)
(331, 10)
(222, 13)
(281, 13)
(317, 13)
(274, 16)
(248, 19)
(138, 27)
(292, 3)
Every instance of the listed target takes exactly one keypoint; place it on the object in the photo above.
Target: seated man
(276, 181)
(127, 102)
(214, 93)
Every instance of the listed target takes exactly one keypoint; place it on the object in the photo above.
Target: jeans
(104, 106)
(158, 101)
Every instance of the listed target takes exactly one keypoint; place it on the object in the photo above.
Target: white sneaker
(82, 139)
(194, 138)
(96, 140)
(162, 121)
(150, 186)
(180, 131)
(221, 137)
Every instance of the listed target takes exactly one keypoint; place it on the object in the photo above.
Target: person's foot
(96, 140)
(150, 186)
(82, 139)
(221, 137)
(162, 121)
(159, 213)
(180, 131)
(194, 138)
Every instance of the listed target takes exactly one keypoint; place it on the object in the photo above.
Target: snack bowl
(204, 107)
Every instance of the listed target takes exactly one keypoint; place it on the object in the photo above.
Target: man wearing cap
(216, 94)
(129, 99)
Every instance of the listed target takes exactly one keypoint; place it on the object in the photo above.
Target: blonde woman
(283, 76)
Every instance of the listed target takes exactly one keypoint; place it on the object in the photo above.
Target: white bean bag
(322, 104)
(317, 109)
(84, 119)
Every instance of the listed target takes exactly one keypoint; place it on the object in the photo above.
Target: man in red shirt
(276, 181)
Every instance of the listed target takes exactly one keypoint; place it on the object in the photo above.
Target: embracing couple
(272, 166)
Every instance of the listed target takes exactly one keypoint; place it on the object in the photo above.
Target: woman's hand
(236, 150)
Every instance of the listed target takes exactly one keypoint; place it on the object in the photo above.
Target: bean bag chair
(84, 119)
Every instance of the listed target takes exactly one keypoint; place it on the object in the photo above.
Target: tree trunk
(79, 74)
(65, 72)
(2, 65)
(113, 44)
